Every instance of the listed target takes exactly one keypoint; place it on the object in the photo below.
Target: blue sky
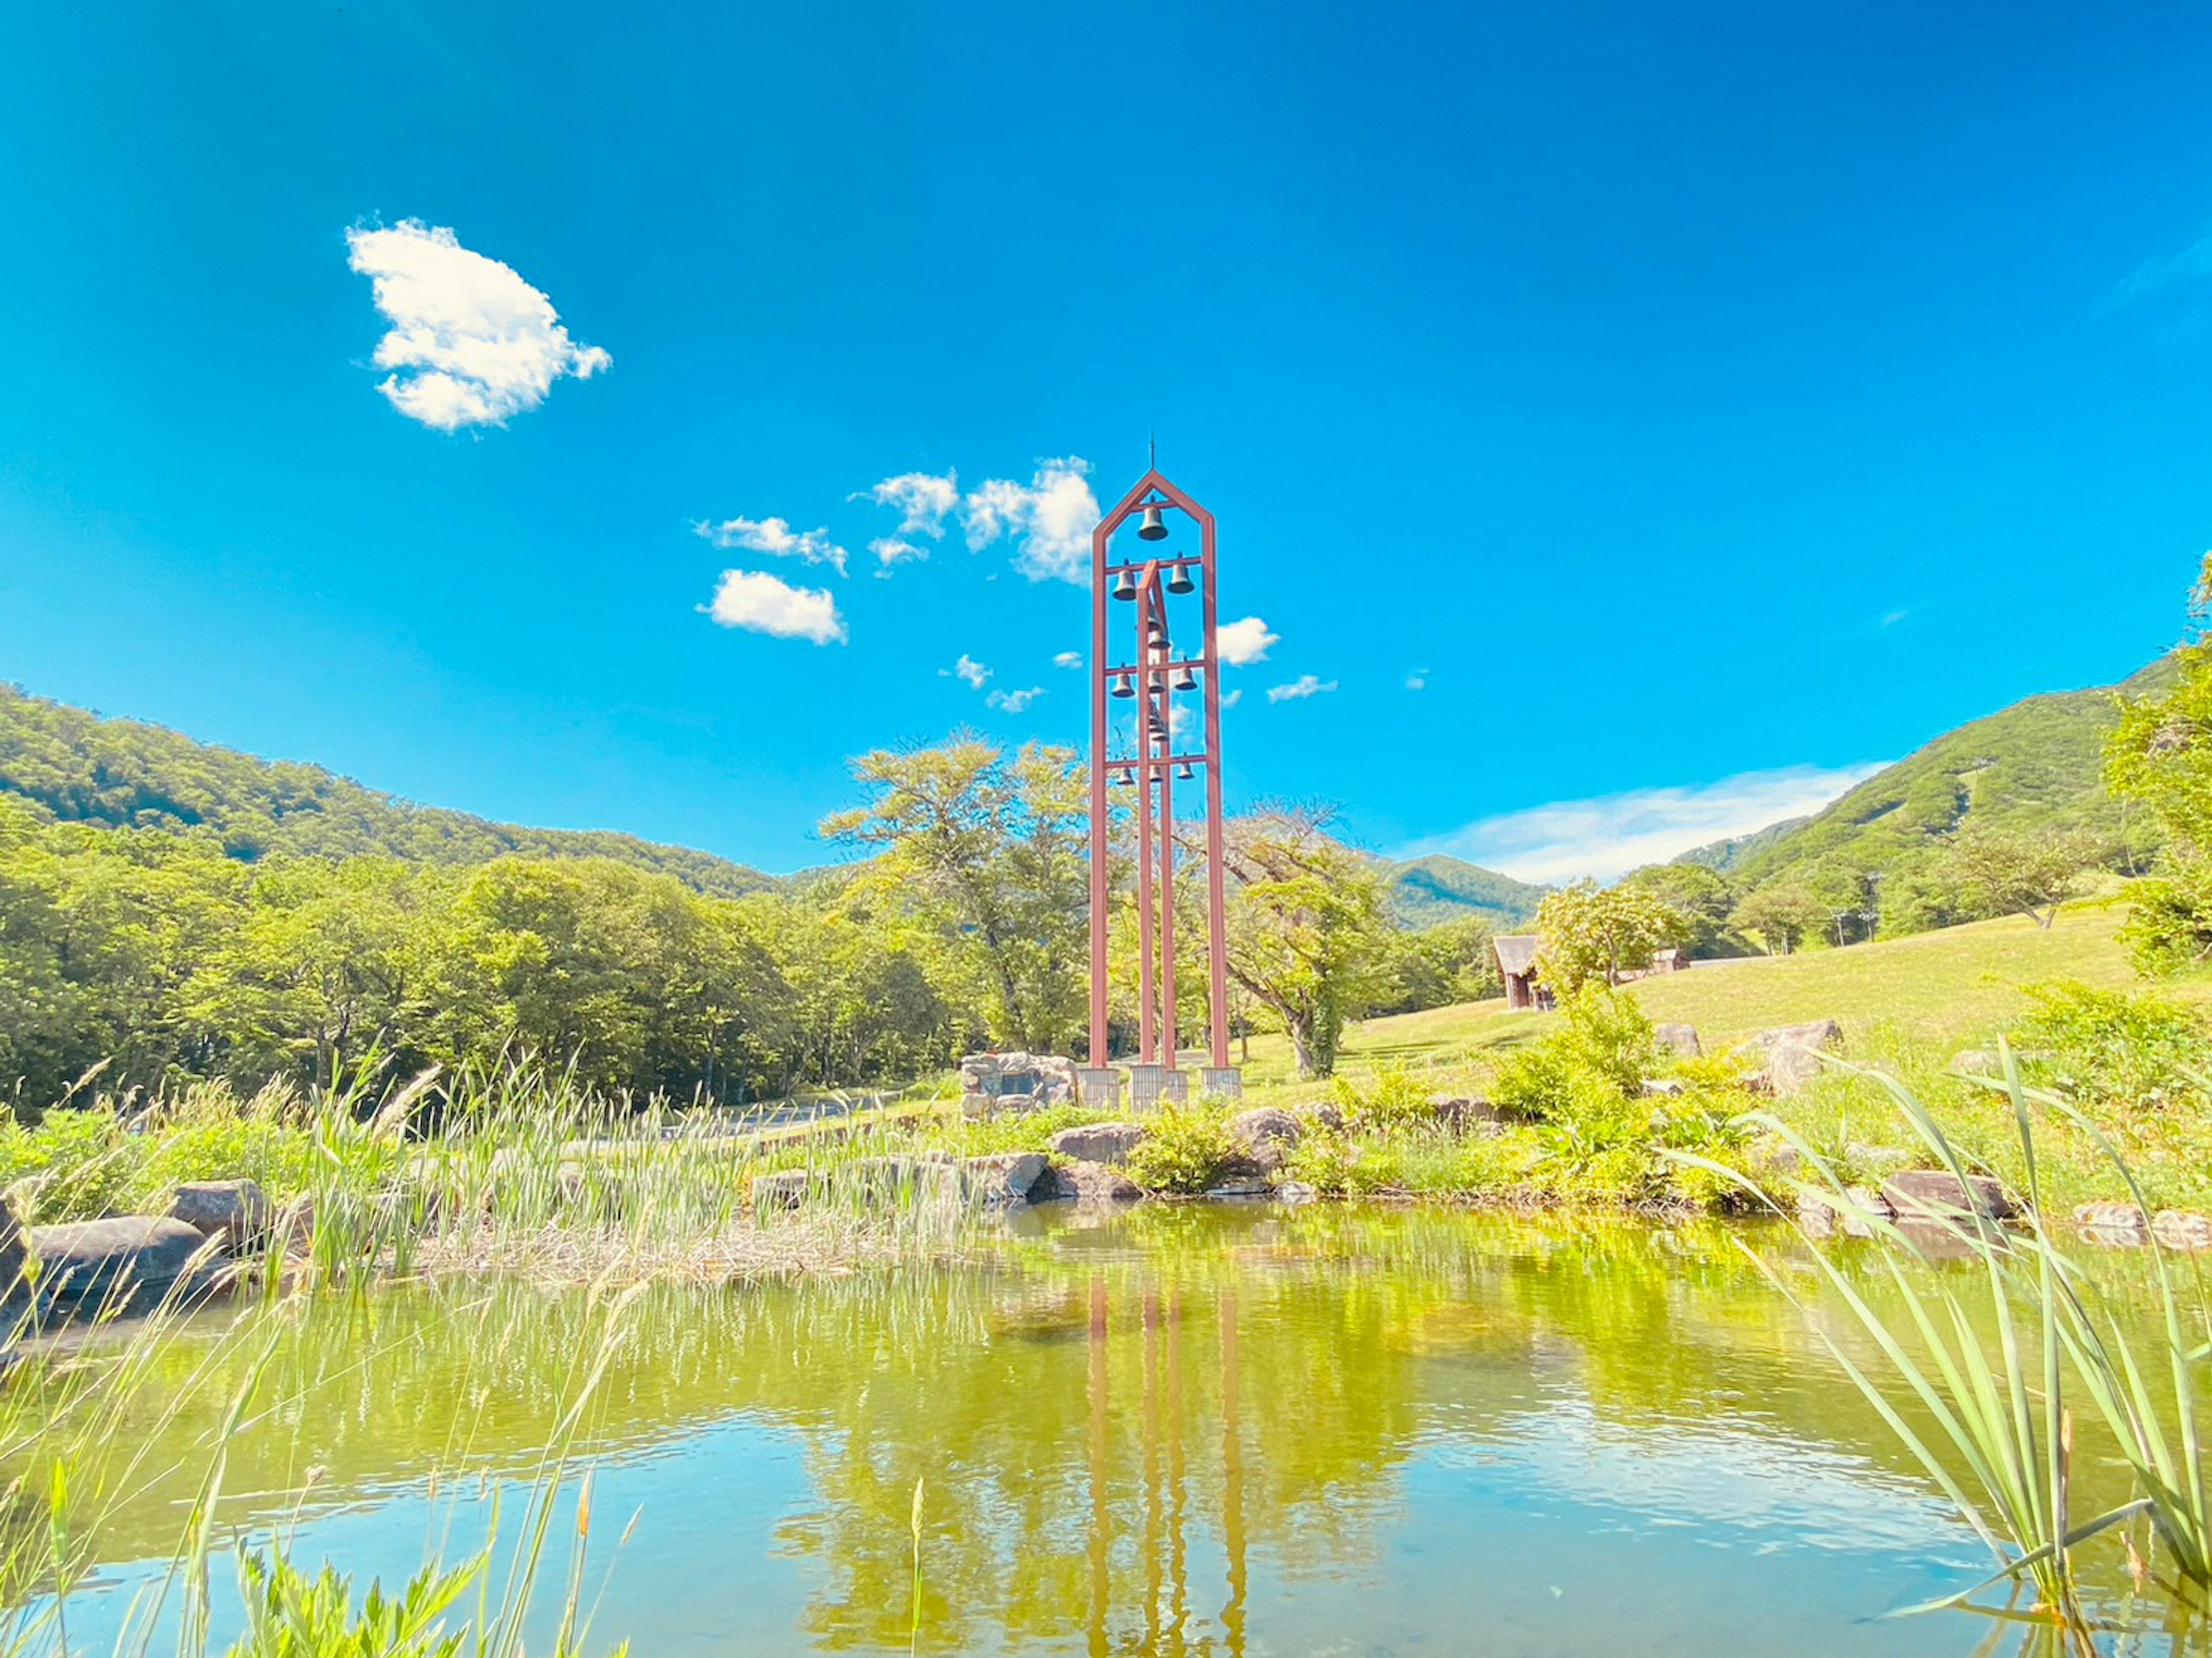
(1696, 403)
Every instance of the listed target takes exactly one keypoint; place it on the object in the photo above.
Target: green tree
(995, 853)
(1307, 929)
(1589, 931)
(2028, 872)
(1781, 916)
(1703, 898)
(2159, 758)
(1451, 961)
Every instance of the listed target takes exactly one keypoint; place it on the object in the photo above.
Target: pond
(1223, 1430)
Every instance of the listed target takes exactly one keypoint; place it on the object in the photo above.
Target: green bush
(2110, 1052)
(1599, 1040)
(1188, 1150)
(1392, 1098)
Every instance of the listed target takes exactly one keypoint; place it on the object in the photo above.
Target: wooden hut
(1516, 961)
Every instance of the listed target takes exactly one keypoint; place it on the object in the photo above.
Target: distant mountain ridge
(71, 765)
(1424, 891)
(2036, 764)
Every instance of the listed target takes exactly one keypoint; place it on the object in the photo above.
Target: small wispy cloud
(1417, 680)
(1231, 699)
(1241, 644)
(470, 343)
(1013, 701)
(1051, 516)
(923, 501)
(1609, 835)
(2193, 263)
(759, 603)
(968, 671)
(892, 551)
(776, 537)
(1068, 660)
(1299, 689)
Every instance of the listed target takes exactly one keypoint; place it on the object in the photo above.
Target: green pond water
(1223, 1430)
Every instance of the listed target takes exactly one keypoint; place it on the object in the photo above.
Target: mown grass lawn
(1959, 988)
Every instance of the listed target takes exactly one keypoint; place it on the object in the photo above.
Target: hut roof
(1517, 953)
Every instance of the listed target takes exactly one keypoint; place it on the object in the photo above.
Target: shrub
(1600, 1039)
(1392, 1098)
(2108, 1050)
(1187, 1149)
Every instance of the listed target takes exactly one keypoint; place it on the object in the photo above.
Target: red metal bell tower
(1149, 680)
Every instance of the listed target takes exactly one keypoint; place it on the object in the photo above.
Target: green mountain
(69, 766)
(1424, 891)
(1728, 856)
(2036, 764)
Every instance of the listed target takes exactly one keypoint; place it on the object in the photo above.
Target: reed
(1981, 1374)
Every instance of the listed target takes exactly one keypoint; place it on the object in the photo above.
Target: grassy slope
(1959, 987)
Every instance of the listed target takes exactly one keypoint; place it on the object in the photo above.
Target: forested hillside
(72, 767)
(1430, 892)
(2034, 771)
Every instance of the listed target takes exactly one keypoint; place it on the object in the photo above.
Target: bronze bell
(1126, 586)
(1183, 773)
(1179, 579)
(1152, 529)
(1125, 685)
(1186, 681)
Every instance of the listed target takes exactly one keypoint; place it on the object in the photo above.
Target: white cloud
(923, 499)
(970, 672)
(1242, 643)
(471, 343)
(776, 537)
(2193, 263)
(764, 604)
(1013, 701)
(1299, 690)
(1068, 660)
(1417, 680)
(891, 552)
(1231, 699)
(1052, 515)
(1608, 836)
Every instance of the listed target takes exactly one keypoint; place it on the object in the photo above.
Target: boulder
(1789, 1056)
(236, 1213)
(1939, 1194)
(13, 1256)
(1242, 1187)
(2182, 1229)
(1266, 1132)
(785, 1189)
(2115, 1225)
(1324, 1115)
(1821, 1219)
(1680, 1040)
(1097, 1142)
(1974, 1062)
(1015, 1082)
(1085, 1183)
(1295, 1192)
(115, 1258)
(1006, 1177)
(1663, 1088)
(1876, 1159)
(1464, 1115)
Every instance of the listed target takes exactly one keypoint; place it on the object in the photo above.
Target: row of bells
(1126, 775)
(1178, 581)
(1125, 684)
